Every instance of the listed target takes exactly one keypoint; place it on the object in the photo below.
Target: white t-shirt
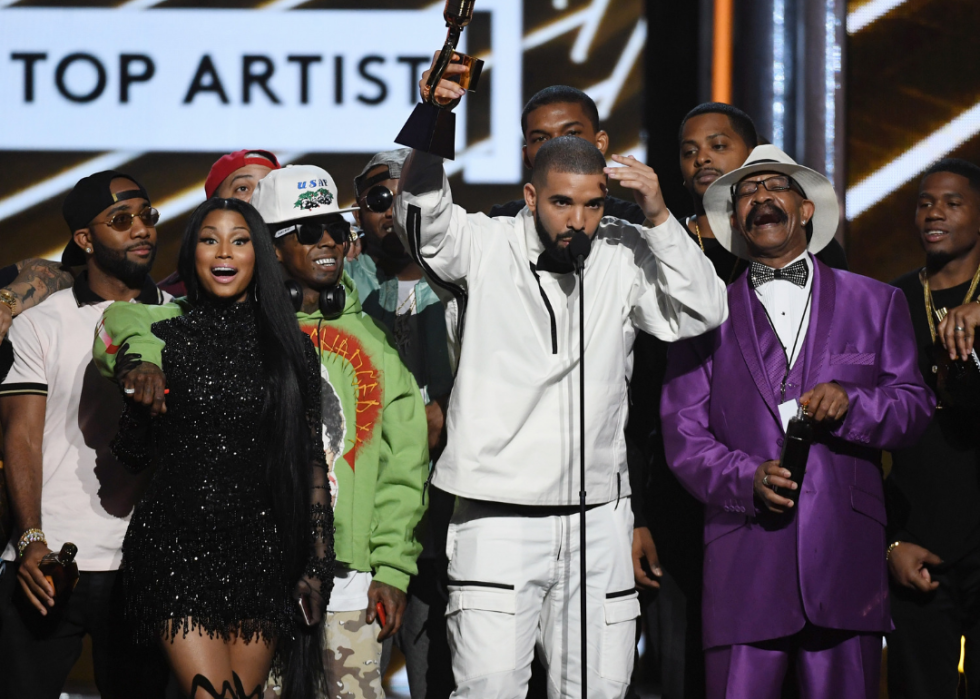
(350, 590)
(406, 297)
(87, 496)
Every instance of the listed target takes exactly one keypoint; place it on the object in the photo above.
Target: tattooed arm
(36, 280)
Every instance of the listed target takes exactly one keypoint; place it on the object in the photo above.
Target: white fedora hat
(768, 158)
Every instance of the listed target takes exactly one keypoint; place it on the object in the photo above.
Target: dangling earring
(256, 291)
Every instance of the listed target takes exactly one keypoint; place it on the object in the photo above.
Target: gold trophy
(432, 126)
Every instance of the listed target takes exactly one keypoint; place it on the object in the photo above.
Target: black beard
(559, 254)
(388, 250)
(115, 262)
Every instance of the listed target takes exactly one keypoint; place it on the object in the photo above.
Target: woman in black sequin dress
(229, 556)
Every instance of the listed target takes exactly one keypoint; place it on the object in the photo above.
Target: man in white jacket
(512, 457)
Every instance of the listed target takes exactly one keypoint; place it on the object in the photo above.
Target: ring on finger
(959, 329)
(129, 391)
(765, 481)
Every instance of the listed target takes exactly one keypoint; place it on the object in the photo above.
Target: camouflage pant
(352, 656)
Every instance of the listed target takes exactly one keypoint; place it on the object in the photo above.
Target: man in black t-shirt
(556, 111)
(933, 490)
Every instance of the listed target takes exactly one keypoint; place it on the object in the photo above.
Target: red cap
(227, 164)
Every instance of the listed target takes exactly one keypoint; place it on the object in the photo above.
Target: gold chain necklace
(409, 299)
(697, 230)
(927, 294)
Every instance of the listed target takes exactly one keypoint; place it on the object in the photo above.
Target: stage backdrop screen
(161, 89)
(913, 96)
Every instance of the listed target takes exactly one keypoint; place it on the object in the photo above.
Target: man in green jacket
(379, 447)
(394, 291)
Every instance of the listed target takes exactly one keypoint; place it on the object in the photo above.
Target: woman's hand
(309, 601)
(146, 385)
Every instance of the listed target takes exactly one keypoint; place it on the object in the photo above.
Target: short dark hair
(741, 122)
(561, 94)
(567, 154)
(957, 166)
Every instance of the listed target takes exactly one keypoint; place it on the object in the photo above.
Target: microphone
(579, 247)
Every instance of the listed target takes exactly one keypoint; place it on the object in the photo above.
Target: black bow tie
(796, 273)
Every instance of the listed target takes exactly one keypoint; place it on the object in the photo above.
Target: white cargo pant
(514, 584)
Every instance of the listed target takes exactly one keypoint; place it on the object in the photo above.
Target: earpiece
(331, 302)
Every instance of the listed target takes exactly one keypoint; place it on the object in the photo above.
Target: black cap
(87, 199)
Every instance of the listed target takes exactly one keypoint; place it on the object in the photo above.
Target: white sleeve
(676, 293)
(442, 237)
(27, 375)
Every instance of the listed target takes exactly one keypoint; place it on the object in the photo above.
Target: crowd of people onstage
(316, 440)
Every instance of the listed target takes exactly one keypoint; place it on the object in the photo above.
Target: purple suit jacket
(765, 575)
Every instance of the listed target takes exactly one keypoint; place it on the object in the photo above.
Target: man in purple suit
(789, 584)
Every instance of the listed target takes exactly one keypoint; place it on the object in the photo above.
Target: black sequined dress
(203, 544)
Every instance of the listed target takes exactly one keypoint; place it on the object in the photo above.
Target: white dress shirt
(788, 306)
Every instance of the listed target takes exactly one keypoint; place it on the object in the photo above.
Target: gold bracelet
(891, 547)
(8, 299)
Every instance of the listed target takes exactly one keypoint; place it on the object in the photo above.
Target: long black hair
(285, 430)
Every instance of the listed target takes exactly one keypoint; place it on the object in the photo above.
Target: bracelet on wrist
(891, 547)
(31, 536)
(8, 299)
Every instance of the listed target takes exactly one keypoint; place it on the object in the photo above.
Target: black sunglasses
(379, 199)
(311, 232)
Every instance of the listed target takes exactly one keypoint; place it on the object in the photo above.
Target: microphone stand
(580, 270)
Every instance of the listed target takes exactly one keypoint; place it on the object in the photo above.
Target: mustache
(766, 209)
(568, 234)
(703, 170)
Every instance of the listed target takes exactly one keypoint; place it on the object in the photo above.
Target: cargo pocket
(482, 628)
(616, 650)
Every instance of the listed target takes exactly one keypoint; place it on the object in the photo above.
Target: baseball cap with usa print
(295, 192)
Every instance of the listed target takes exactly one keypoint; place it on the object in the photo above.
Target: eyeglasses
(379, 199)
(310, 233)
(776, 183)
(123, 221)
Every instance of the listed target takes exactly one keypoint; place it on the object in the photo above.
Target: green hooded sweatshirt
(381, 442)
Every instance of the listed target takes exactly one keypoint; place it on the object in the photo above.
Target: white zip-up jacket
(513, 419)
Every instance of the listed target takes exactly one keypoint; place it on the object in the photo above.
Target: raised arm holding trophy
(432, 125)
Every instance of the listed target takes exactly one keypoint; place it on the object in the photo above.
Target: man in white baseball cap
(379, 446)
(794, 561)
